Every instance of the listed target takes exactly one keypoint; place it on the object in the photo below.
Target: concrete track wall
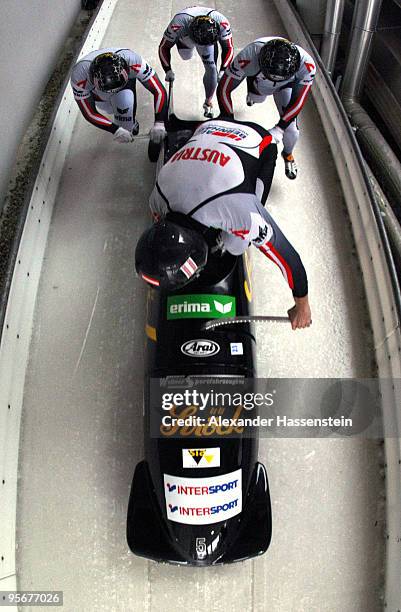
(32, 35)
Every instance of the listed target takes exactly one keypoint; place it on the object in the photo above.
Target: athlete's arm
(267, 164)
(243, 65)
(295, 105)
(226, 41)
(279, 250)
(171, 34)
(149, 79)
(155, 86)
(300, 92)
(266, 235)
(165, 53)
(227, 50)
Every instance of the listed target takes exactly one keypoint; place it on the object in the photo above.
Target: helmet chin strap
(209, 325)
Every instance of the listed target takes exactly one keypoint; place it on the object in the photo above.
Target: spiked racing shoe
(207, 110)
(291, 169)
(135, 129)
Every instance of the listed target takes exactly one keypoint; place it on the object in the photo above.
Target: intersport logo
(202, 306)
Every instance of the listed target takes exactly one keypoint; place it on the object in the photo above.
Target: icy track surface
(82, 420)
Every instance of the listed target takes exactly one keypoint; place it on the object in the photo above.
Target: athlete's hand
(170, 76)
(157, 132)
(220, 75)
(277, 134)
(219, 247)
(122, 135)
(300, 314)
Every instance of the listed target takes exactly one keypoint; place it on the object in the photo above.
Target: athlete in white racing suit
(105, 81)
(201, 28)
(221, 179)
(272, 66)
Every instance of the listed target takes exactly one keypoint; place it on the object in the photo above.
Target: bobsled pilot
(104, 81)
(272, 66)
(201, 28)
(219, 180)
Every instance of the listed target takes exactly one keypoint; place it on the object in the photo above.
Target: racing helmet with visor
(109, 72)
(169, 255)
(204, 30)
(279, 59)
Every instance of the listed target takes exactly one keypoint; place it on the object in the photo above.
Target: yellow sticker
(248, 279)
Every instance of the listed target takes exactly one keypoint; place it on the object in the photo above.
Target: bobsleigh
(198, 500)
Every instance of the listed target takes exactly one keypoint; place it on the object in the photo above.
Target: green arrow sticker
(200, 306)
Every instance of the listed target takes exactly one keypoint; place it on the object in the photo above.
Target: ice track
(82, 414)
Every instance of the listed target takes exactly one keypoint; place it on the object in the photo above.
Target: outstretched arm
(227, 54)
(165, 53)
(88, 110)
(154, 85)
(300, 92)
(295, 105)
(274, 245)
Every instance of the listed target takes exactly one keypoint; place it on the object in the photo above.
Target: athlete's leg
(103, 104)
(253, 95)
(185, 48)
(124, 108)
(291, 134)
(207, 55)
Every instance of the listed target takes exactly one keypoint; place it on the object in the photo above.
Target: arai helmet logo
(200, 348)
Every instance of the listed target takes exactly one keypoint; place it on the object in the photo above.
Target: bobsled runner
(198, 500)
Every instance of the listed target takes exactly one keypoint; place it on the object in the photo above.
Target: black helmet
(109, 72)
(169, 255)
(279, 59)
(204, 30)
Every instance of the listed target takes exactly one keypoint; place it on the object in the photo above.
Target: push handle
(251, 319)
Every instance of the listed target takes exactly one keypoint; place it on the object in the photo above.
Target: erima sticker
(202, 306)
(200, 457)
(203, 501)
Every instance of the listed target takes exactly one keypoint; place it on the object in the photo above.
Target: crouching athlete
(201, 28)
(219, 179)
(105, 81)
(272, 66)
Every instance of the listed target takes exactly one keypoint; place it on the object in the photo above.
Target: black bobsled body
(178, 347)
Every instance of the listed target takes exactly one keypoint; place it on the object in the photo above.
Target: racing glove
(220, 75)
(170, 76)
(122, 135)
(219, 247)
(276, 133)
(157, 132)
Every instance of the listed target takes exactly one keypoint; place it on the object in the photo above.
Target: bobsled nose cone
(201, 546)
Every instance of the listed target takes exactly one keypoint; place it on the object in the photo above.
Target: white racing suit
(177, 33)
(289, 95)
(221, 178)
(120, 104)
